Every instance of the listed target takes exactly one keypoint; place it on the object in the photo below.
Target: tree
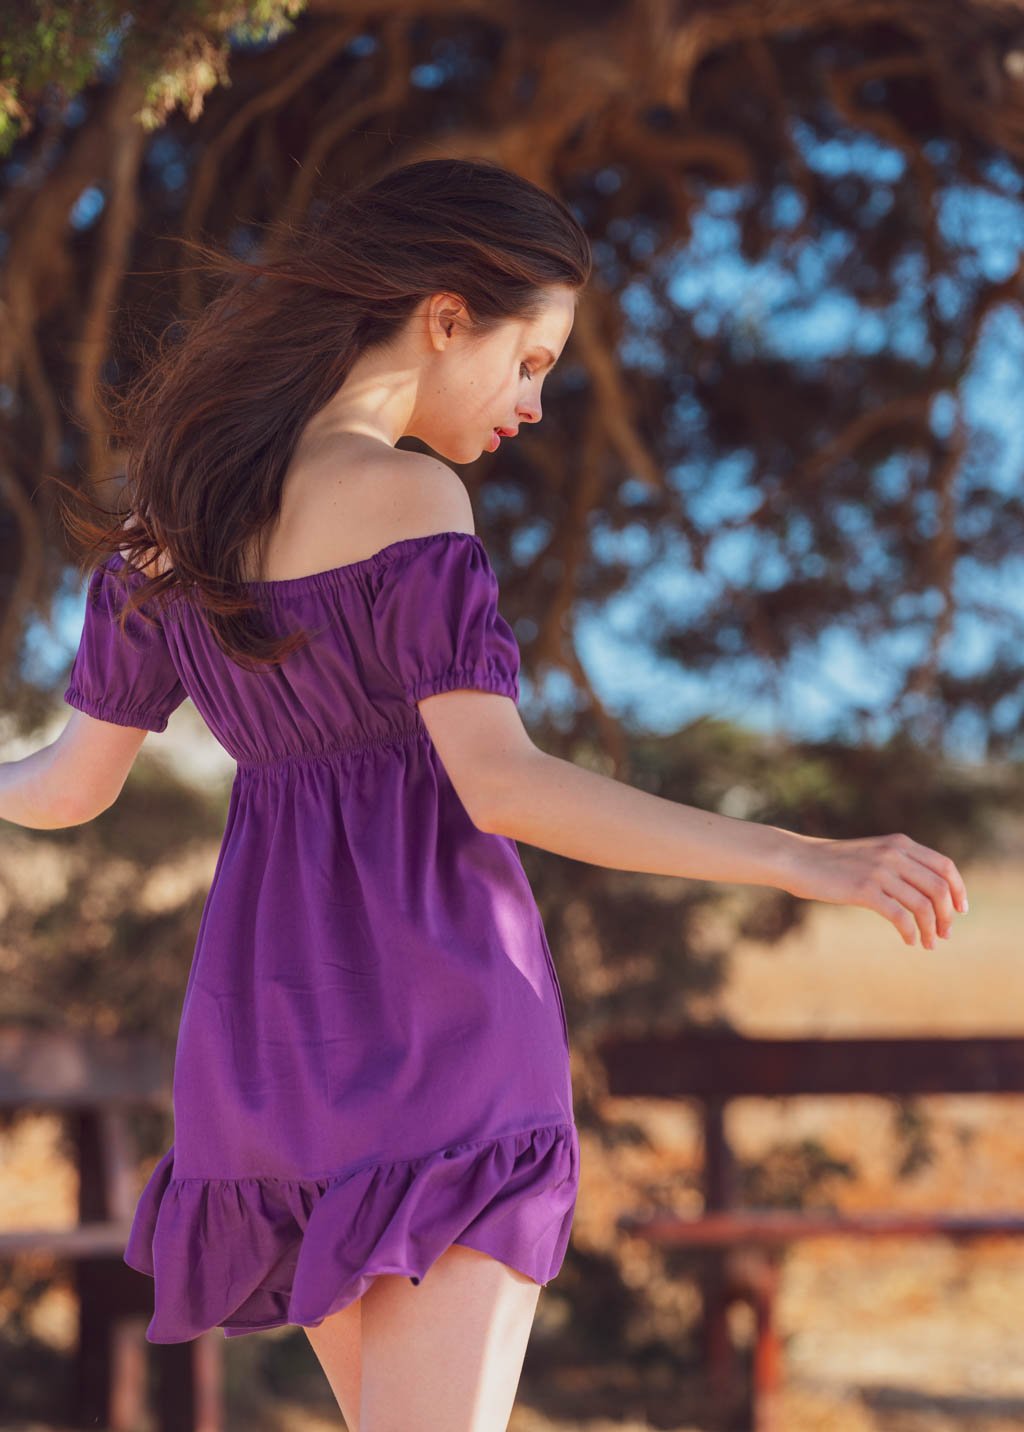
(866, 507)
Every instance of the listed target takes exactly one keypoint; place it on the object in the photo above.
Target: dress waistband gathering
(335, 753)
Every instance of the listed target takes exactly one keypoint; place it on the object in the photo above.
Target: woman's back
(344, 496)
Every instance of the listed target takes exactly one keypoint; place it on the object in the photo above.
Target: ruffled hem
(249, 1254)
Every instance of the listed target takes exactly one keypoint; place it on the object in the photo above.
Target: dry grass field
(882, 1336)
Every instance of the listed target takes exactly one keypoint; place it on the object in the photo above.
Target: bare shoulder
(345, 498)
(422, 495)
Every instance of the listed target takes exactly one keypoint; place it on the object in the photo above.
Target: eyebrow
(551, 357)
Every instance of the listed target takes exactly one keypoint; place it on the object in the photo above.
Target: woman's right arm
(556, 805)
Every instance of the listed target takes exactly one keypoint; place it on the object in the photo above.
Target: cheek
(488, 391)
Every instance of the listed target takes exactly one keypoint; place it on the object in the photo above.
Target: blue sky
(839, 669)
(786, 306)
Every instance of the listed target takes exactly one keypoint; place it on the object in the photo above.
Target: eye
(528, 373)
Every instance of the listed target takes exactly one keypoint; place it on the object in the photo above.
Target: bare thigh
(445, 1355)
(337, 1344)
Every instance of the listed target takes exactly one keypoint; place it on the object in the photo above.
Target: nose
(529, 412)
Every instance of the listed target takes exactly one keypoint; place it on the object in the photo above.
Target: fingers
(900, 916)
(919, 907)
(941, 865)
(920, 890)
(911, 885)
(928, 899)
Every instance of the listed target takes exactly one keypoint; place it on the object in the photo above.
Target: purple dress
(372, 1060)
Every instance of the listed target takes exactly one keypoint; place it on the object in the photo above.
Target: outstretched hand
(909, 884)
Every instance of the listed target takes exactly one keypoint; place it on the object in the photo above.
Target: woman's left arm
(72, 780)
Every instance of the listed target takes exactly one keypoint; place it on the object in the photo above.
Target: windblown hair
(210, 425)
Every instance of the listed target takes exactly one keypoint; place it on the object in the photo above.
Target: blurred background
(764, 555)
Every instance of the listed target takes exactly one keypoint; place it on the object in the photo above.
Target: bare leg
(336, 1343)
(445, 1355)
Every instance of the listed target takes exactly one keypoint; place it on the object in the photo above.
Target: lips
(497, 434)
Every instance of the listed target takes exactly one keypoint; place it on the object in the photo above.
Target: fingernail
(965, 907)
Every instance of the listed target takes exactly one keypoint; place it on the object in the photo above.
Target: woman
(374, 1133)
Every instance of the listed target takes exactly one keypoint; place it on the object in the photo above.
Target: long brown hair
(210, 425)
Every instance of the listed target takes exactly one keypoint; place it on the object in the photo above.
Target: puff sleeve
(437, 622)
(129, 678)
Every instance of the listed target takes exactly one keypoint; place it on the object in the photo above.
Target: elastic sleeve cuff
(118, 715)
(462, 678)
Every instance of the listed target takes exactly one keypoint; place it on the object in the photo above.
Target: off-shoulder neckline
(330, 575)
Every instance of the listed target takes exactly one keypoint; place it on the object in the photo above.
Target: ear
(446, 313)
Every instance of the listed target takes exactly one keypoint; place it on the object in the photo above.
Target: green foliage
(175, 53)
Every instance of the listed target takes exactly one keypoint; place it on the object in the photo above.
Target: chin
(458, 449)
(461, 452)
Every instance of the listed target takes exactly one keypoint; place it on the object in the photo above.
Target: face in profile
(476, 392)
